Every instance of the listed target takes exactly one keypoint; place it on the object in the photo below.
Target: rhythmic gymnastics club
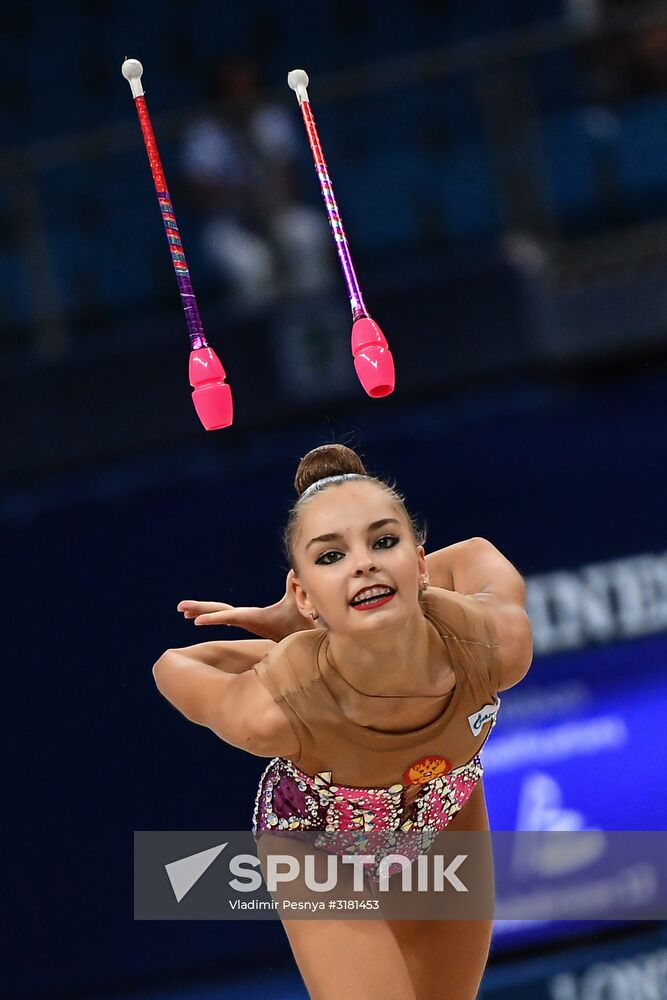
(212, 397)
(372, 358)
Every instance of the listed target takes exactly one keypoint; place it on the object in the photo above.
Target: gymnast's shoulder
(496, 628)
(292, 664)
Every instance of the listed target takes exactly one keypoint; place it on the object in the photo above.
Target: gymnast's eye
(384, 542)
(390, 539)
(323, 560)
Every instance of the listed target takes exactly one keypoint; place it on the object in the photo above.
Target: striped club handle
(356, 300)
(190, 308)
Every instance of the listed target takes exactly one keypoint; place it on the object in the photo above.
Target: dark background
(502, 172)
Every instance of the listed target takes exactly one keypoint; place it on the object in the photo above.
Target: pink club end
(373, 362)
(212, 396)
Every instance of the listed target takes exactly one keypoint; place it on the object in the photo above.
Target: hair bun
(327, 460)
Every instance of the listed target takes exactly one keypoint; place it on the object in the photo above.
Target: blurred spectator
(618, 67)
(240, 170)
(584, 15)
(646, 67)
(626, 65)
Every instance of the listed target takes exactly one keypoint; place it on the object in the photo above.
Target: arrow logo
(185, 872)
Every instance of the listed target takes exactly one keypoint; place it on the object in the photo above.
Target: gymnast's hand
(273, 622)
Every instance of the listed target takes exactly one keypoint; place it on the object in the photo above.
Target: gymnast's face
(351, 537)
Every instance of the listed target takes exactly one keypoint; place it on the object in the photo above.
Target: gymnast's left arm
(475, 567)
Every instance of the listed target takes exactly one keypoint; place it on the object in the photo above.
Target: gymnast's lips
(374, 586)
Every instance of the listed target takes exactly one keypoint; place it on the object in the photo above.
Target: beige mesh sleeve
(468, 621)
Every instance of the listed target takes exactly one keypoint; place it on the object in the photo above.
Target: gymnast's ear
(304, 606)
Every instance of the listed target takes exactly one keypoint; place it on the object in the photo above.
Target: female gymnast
(373, 689)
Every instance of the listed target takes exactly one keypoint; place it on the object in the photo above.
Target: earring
(424, 584)
(314, 615)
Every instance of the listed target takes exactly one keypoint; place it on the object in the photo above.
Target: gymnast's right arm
(213, 684)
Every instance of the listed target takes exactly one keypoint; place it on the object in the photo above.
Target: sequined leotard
(348, 778)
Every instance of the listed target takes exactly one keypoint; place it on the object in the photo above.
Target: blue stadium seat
(564, 152)
(555, 80)
(643, 147)
(379, 210)
(467, 193)
(15, 299)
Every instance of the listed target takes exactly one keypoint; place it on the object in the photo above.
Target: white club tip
(297, 78)
(298, 81)
(132, 71)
